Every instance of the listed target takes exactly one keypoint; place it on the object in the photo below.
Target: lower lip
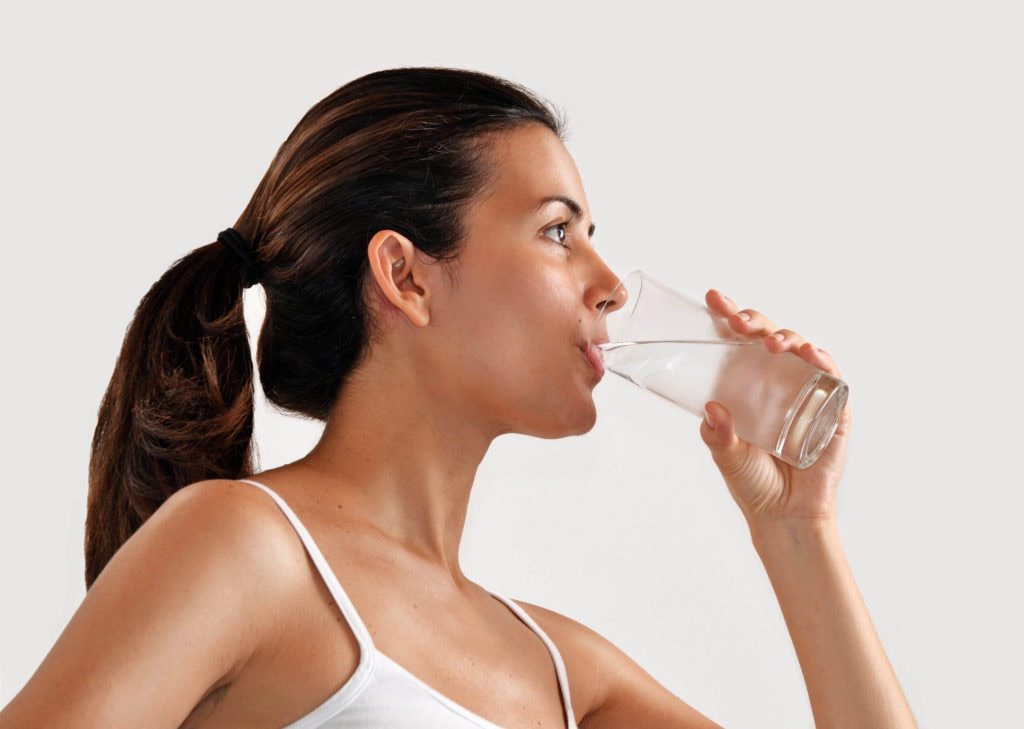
(594, 360)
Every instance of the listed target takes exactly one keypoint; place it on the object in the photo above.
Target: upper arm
(175, 613)
(620, 692)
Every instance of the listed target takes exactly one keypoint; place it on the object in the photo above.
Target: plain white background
(852, 170)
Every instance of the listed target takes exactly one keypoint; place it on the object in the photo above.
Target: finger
(719, 302)
(784, 340)
(721, 434)
(751, 323)
(728, 451)
(821, 359)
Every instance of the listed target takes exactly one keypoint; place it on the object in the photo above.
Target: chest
(464, 647)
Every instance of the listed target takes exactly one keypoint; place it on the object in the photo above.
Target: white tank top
(381, 693)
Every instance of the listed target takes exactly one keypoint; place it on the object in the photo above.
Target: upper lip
(595, 340)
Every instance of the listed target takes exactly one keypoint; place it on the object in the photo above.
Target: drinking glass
(677, 348)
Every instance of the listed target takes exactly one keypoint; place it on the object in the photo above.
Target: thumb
(716, 430)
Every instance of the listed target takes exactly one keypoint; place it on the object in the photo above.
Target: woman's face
(507, 339)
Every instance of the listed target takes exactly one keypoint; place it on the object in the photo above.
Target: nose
(616, 299)
(611, 295)
(606, 297)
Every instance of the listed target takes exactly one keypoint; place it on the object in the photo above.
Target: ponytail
(179, 406)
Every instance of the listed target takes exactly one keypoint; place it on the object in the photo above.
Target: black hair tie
(250, 267)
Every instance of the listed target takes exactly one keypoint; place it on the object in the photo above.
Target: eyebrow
(577, 209)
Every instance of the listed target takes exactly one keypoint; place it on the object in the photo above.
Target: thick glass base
(813, 419)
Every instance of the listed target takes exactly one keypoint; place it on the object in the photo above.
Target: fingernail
(707, 417)
(778, 336)
(744, 315)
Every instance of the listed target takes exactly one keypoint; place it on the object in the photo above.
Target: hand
(765, 488)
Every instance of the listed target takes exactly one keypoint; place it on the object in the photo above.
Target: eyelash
(560, 225)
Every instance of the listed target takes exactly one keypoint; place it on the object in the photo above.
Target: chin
(585, 414)
(583, 421)
(591, 421)
(563, 411)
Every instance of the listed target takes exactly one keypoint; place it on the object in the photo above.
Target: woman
(423, 240)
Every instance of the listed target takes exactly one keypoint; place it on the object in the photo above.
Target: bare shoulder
(240, 498)
(609, 688)
(571, 636)
(230, 510)
(578, 646)
(244, 516)
(220, 532)
(192, 593)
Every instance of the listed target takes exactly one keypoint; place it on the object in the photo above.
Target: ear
(399, 276)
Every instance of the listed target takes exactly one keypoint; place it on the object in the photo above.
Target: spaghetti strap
(560, 671)
(366, 645)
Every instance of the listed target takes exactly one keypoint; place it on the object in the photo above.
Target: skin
(385, 492)
(455, 370)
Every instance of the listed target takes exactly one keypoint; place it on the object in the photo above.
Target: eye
(559, 225)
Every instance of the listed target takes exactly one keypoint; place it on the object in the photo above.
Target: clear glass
(679, 349)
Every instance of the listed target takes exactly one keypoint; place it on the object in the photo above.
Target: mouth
(594, 356)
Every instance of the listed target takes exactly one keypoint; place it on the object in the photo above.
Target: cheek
(535, 311)
(523, 299)
(513, 320)
(519, 330)
(509, 355)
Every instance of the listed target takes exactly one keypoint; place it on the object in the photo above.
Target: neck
(401, 462)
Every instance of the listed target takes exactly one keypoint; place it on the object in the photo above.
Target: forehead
(531, 163)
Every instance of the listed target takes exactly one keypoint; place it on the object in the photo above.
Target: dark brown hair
(403, 149)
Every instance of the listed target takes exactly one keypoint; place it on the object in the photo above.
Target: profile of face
(502, 348)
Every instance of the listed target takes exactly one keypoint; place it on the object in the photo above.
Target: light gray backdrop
(852, 170)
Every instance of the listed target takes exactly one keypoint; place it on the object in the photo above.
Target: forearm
(849, 679)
